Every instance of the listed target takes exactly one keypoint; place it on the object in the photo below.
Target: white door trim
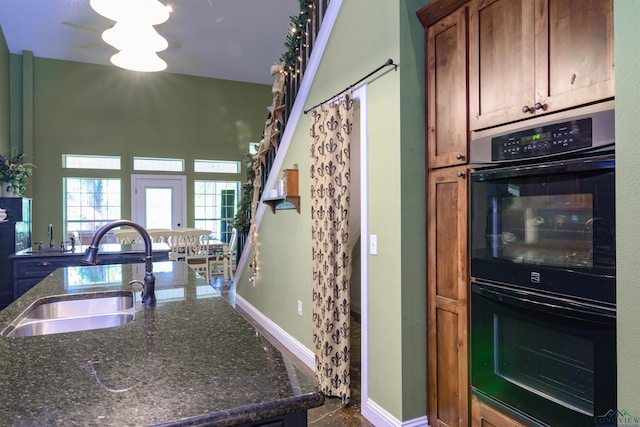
(134, 199)
(360, 94)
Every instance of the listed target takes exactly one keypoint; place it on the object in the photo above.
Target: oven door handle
(542, 303)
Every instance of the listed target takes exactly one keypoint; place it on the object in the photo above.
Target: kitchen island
(190, 360)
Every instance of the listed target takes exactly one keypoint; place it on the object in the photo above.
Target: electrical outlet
(299, 308)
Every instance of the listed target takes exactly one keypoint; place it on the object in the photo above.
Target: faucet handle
(138, 282)
(148, 290)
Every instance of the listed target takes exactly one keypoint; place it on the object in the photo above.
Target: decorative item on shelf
(290, 181)
(286, 195)
(14, 175)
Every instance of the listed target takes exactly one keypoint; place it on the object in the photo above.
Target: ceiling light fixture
(151, 12)
(138, 60)
(128, 35)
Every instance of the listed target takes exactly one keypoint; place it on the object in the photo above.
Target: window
(158, 164)
(89, 204)
(76, 161)
(215, 206)
(216, 166)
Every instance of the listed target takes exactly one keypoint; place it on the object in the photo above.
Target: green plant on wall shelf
(15, 174)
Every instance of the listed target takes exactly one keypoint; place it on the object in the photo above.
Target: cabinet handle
(461, 174)
(459, 156)
(44, 264)
(536, 106)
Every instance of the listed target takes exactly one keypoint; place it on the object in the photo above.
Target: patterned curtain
(331, 126)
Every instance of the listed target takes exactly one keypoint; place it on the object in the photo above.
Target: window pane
(158, 207)
(72, 161)
(90, 204)
(216, 166)
(158, 164)
(215, 208)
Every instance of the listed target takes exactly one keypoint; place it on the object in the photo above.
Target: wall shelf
(283, 202)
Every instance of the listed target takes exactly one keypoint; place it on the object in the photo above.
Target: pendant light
(138, 60)
(151, 12)
(129, 35)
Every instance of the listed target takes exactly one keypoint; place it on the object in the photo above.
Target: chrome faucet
(148, 287)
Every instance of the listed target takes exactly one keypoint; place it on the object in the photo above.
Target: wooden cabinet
(483, 415)
(446, 61)
(532, 57)
(487, 63)
(447, 148)
(447, 297)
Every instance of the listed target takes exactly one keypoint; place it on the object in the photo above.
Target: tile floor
(333, 412)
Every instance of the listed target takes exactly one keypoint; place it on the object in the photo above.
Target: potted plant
(14, 175)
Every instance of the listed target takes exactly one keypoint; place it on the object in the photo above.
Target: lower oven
(545, 360)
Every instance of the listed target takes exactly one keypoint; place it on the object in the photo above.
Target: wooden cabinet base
(483, 415)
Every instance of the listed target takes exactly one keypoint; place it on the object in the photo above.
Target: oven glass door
(550, 226)
(542, 359)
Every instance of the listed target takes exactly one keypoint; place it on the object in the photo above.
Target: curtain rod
(386, 64)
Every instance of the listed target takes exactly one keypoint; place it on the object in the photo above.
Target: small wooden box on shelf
(289, 199)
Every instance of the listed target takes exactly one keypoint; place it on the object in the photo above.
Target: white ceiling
(225, 39)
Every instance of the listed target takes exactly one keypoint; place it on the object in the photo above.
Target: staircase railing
(305, 40)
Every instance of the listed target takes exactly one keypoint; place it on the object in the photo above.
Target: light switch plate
(373, 244)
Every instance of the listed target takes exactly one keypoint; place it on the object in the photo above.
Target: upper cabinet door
(447, 124)
(574, 52)
(532, 57)
(501, 60)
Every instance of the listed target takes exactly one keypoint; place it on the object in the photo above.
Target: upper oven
(543, 208)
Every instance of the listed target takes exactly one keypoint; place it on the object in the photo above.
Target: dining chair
(127, 236)
(158, 235)
(174, 240)
(196, 251)
(229, 255)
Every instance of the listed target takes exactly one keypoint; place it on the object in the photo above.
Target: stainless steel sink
(74, 312)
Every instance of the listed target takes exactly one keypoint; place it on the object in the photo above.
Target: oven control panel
(543, 141)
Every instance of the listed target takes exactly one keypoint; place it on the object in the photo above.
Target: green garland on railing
(296, 30)
(242, 220)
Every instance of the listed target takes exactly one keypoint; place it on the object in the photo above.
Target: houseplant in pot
(14, 175)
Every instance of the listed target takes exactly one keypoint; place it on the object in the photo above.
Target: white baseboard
(294, 346)
(377, 415)
(380, 417)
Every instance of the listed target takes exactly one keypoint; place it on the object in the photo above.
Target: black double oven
(543, 308)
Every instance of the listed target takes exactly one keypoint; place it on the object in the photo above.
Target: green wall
(627, 62)
(366, 34)
(79, 108)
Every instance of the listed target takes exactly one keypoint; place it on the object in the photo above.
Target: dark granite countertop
(191, 360)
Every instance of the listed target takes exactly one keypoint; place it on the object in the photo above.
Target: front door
(159, 201)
